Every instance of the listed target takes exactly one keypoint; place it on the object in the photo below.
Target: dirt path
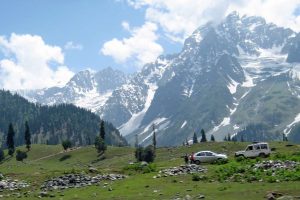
(52, 155)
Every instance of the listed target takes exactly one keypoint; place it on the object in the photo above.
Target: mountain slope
(86, 89)
(223, 75)
(240, 76)
(52, 124)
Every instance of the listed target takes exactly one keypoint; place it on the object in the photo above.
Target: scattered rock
(276, 164)
(11, 185)
(183, 169)
(78, 180)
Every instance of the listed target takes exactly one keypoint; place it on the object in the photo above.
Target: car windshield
(249, 148)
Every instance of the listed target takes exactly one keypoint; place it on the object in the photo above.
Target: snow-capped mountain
(234, 78)
(86, 89)
(240, 76)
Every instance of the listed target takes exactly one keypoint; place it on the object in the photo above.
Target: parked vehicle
(206, 157)
(261, 149)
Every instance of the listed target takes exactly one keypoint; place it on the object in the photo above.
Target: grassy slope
(138, 186)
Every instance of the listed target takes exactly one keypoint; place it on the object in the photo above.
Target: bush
(196, 177)
(137, 167)
(20, 156)
(145, 154)
(240, 158)
(66, 144)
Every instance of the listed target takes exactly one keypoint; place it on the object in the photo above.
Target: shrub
(196, 177)
(137, 167)
(20, 156)
(145, 154)
(66, 144)
(240, 158)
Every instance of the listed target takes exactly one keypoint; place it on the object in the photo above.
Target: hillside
(52, 124)
(40, 166)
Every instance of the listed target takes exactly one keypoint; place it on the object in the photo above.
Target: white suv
(255, 150)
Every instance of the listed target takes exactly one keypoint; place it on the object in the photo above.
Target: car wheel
(262, 155)
(197, 162)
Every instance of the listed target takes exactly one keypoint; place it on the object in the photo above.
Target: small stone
(93, 170)
(43, 194)
(270, 196)
(286, 198)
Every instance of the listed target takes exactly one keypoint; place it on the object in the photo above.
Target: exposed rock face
(77, 181)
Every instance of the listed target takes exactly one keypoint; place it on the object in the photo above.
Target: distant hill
(52, 124)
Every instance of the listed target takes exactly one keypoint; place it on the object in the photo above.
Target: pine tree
(100, 145)
(212, 138)
(154, 137)
(225, 139)
(102, 130)
(10, 140)
(203, 136)
(27, 136)
(229, 137)
(195, 139)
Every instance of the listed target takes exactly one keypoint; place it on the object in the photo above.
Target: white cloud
(29, 63)
(126, 25)
(179, 18)
(72, 46)
(141, 46)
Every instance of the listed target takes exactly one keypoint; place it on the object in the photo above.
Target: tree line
(52, 124)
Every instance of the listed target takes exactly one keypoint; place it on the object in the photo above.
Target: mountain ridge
(210, 83)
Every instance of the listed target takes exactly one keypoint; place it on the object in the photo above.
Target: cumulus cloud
(179, 18)
(73, 46)
(141, 46)
(29, 63)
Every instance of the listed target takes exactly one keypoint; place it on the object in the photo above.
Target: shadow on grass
(101, 156)
(64, 157)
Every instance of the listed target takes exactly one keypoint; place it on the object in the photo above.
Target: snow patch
(290, 126)
(232, 85)
(183, 124)
(136, 119)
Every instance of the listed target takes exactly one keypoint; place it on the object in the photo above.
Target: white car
(261, 149)
(206, 157)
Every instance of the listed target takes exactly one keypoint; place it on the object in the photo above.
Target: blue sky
(87, 23)
(123, 34)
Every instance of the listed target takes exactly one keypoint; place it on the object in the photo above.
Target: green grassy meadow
(39, 166)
